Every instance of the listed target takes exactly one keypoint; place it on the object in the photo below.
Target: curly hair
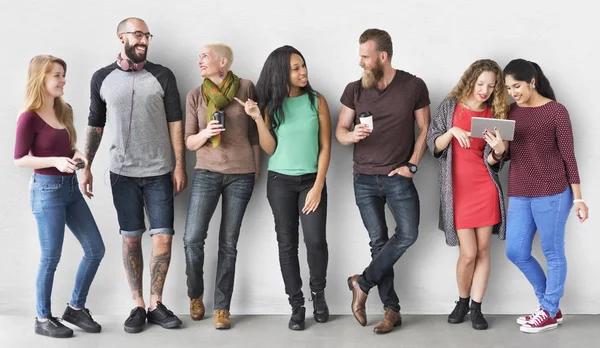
(499, 98)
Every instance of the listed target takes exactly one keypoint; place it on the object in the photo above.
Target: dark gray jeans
(372, 193)
(207, 188)
(287, 195)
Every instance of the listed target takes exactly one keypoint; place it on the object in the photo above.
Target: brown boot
(359, 298)
(222, 321)
(390, 320)
(196, 308)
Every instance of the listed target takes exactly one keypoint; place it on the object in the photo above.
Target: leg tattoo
(134, 266)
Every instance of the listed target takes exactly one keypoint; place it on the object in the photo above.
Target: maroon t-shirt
(393, 138)
(36, 137)
(542, 157)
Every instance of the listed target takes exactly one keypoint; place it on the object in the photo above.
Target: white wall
(435, 40)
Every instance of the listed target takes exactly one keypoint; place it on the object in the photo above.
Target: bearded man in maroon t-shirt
(383, 107)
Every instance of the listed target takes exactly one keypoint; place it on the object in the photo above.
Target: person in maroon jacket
(543, 186)
(45, 141)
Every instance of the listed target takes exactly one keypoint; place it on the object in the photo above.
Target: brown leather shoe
(390, 320)
(359, 298)
(196, 308)
(222, 321)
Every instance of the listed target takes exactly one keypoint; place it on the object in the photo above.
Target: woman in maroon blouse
(543, 186)
(45, 141)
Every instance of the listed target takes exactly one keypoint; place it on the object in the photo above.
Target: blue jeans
(207, 188)
(372, 193)
(287, 195)
(548, 215)
(56, 201)
(131, 195)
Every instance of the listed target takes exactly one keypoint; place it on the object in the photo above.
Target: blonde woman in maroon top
(45, 142)
(543, 186)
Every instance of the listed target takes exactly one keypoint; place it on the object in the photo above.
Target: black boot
(460, 311)
(321, 311)
(477, 319)
(297, 319)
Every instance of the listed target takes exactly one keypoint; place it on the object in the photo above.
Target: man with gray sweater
(139, 103)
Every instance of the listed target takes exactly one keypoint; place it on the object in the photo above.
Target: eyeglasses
(140, 35)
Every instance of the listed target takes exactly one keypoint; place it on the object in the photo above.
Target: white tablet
(480, 124)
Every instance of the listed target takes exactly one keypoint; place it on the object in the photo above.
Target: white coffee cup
(366, 118)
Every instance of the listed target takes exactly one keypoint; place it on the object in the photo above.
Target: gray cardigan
(440, 124)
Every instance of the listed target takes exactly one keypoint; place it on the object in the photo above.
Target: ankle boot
(460, 311)
(297, 319)
(477, 320)
(321, 311)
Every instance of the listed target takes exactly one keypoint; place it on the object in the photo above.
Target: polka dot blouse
(542, 157)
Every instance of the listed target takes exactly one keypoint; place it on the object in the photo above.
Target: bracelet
(497, 158)
(578, 201)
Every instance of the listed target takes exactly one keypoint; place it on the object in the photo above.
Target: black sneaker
(297, 319)
(135, 322)
(321, 311)
(477, 319)
(460, 311)
(163, 317)
(81, 318)
(52, 328)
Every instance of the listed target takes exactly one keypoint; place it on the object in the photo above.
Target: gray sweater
(440, 124)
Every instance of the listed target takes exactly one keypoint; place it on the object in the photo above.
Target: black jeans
(287, 194)
(372, 193)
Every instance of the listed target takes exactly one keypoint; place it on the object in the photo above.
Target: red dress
(475, 194)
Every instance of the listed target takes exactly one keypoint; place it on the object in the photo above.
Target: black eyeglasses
(140, 35)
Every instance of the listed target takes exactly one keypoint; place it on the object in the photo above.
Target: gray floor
(342, 331)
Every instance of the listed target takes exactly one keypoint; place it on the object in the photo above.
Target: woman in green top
(294, 127)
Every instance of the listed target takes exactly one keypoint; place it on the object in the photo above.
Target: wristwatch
(412, 167)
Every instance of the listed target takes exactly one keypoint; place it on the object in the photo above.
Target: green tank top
(297, 149)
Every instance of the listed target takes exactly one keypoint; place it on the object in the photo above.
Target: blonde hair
(35, 92)
(499, 98)
(222, 50)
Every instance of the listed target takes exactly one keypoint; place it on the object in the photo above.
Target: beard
(132, 55)
(371, 76)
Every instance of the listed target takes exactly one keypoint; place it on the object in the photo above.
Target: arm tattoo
(159, 265)
(94, 136)
(134, 267)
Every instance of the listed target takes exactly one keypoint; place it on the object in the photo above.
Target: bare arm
(92, 143)
(29, 161)
(265, 138)
(196, 141)
(422, 117)
(179, 174)
(442, 142)
(313, 198)
(342, 130)
(324, 141)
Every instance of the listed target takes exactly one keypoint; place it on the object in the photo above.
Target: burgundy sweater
(35, 136)
(542, 157)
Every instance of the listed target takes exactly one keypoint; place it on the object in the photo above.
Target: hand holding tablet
(506, 128)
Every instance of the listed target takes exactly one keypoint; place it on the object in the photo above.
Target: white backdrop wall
(435, 40)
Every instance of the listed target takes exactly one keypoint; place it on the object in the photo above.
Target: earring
(533, 86)
(221, 74)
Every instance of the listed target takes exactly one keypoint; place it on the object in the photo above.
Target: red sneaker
(540, 322)
(523, 320)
